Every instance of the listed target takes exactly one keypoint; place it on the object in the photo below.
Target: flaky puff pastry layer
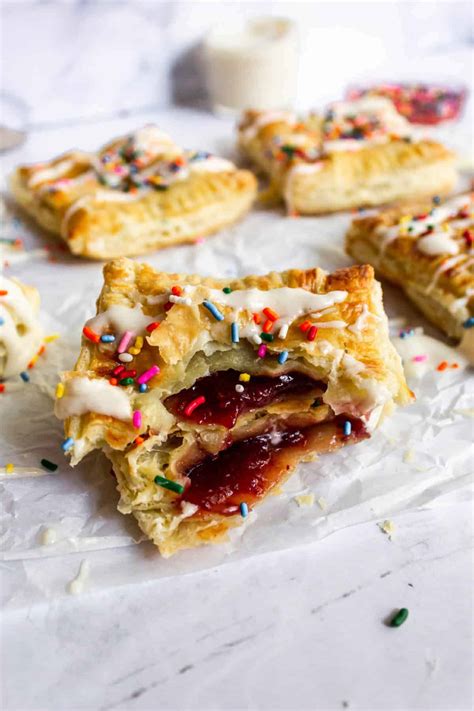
(351, 354)
(312, 180)
(67, 196)
(431, 259)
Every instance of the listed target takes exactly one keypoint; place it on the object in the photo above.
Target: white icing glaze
(20, 331)
(83, 395)
(438, 243)
(213, 164)
(66, 184)
(437, 216)
(153, 141)
(361, 321)
(330, 324)
(120, 319)
(286, 301)
(420, 345)
(76, 586)
(53, 173)
(449, 264)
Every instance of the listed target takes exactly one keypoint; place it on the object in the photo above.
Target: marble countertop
(298, 629)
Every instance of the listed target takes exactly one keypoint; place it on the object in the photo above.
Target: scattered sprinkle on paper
(322, 503)
(76, 586)
(409, 455)
(305, 499)
(387, 527)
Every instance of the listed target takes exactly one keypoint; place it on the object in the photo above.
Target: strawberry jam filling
(219, 403)
(248, 469)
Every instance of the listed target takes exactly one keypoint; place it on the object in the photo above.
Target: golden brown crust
(66, 197)
(312, 181)
(441, 284)
(353, 355)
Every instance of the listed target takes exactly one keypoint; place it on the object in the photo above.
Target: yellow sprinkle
(405, 219)
(305, 499)
(138, 342)
(52, 337)
(244, 377)
(134, 351)
(409, 455)
(446, 227)
(59, 390)
(33, 361)
(9, 468)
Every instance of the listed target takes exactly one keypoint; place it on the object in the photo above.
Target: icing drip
(438, 243)
(83, 395)
(20, 332)
(450, 263)
(121, 318)
(286, 301)
(266, 118)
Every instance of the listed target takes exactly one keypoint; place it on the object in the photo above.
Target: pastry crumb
(48, 536)
(305, 499)
(322, 503)
(76, 586)
(409, 455)
(387, 527)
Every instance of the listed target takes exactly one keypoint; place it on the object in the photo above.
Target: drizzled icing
(439, 223)
(121, 318)
(20, 332)
(59, 170)
(356, 124)
(264, 119)
(83, 395)
(286, 301)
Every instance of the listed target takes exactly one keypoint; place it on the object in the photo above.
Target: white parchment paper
(422, 452)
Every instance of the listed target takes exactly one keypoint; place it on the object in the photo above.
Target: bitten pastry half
(139, 193)
(205, 393)
(21, 335)
(426, 248)
(360, 153)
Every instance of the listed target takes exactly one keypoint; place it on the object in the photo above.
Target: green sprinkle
(266, 337)
(399, 618)
(126, 381)
(49, 465)
(227, 290)
(168, 484)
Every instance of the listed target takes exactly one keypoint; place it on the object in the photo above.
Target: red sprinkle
(267, 326)
(118, 369)
(272, 315)
(2, 388)
(191, 406)
(3, 292)
(113, 381)
(312, 333)
(468, 236)
(305, 326)
(176, 290)
(443, 365)
(90, 334)
(128, 374)
(257, 318)
(151, 326)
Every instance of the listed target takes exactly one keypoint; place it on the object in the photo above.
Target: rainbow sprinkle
(244, 509)
(420, 358)
(60, 390)
(234, 332)
(283, 357)
(213, 310)
(137, 419)
(191, 406)
(107, 338)
(67, 444)
(262, 351)
(347, 429)
(169, 484)
(148, 375)
(25, 377)
(469, 323)
(125, 342)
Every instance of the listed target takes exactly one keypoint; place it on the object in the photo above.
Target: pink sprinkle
(420, 358)
(124, 342)
(262, 350)
(148, 375)
(199, 240)
(137, 419)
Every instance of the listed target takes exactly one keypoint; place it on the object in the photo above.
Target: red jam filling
(223, 404)
(248, 469)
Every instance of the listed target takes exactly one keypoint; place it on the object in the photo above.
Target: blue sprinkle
(244, 509)
(347, 428)
(107, 338)
(67, 444)
(213, 310)
(283, 357)
(436, 199)
(143, 387)
(469, 323)
(25, 377)
(2, 321)
(234, 332)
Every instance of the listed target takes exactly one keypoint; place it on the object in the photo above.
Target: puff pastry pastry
(20, 332)
(426, 248)
(205, 394)
(360, 153)
(139, 193)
